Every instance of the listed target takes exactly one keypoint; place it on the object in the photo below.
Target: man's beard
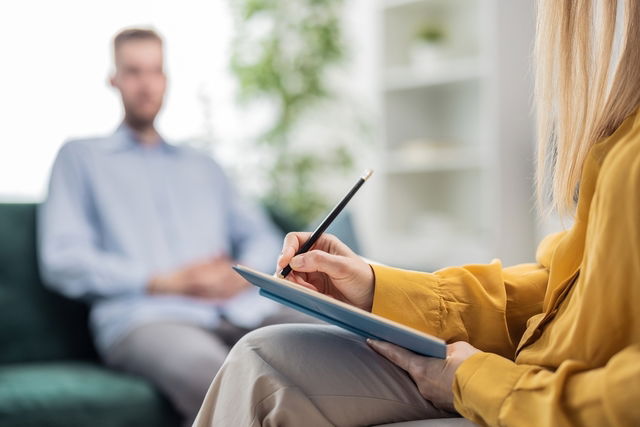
(138, 121)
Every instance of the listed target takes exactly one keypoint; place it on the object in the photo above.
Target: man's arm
(255, 240)
(71, 260)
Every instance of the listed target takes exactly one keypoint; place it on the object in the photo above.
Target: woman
(550, 343)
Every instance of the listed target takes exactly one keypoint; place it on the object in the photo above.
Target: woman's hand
(330, 268)
(434, 377)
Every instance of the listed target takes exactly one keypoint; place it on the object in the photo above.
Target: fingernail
(297, 262)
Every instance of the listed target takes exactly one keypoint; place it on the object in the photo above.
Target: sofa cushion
(73, 394)
(35, 324)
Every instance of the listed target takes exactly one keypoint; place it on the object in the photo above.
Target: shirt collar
(124, 138)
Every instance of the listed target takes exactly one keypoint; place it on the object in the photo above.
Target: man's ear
(112, 81)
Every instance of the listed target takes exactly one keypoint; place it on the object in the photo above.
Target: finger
(300, 281)
(191, 273)
(336, 246)
(318, 261)
(291, 244)
(223, 259)
(197, 264)
(284, 258)
(450, 350)
(398, 355)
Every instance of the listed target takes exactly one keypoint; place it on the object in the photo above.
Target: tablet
(346, 316)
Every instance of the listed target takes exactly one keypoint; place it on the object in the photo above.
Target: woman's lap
(311, 374)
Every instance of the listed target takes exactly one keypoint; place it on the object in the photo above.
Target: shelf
(447, 72)
(433, 160)
(397, 168)
(392, 4)
(436, 147)
(445, 111)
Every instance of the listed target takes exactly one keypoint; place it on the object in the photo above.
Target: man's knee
(147, 353)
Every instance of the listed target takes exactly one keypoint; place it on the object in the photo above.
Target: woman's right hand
(330, 268)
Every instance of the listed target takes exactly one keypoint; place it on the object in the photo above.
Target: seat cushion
(78, 394)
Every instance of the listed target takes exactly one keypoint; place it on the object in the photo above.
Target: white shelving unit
(455, 132)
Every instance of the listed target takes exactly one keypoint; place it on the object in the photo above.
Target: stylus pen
(328, 220)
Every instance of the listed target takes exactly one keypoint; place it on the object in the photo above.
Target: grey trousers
(312, 376)
(182, 359)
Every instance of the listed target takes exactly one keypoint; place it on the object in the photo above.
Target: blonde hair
(585, 87)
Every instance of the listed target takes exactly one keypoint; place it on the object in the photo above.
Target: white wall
(514, 44)
(56, 56)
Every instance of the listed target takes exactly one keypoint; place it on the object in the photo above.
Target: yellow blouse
(560, 338)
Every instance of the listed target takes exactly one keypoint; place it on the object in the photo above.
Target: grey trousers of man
(312, 376)
(182, 359)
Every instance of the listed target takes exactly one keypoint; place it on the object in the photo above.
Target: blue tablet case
(344, 315)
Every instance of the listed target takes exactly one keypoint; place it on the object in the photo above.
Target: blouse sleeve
(486, 305)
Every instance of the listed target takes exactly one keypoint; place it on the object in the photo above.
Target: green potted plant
(428, 47)
(282, 54)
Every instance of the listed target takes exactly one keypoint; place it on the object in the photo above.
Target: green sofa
(50, 374)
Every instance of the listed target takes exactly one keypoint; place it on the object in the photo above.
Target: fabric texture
(560, 339)
(49, 371)
(181, 359)
(36, 324)
(75, 394)
(178, 358)
(118, 213)
(310, 375)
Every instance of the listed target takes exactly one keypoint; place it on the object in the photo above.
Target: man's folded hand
(211, 279)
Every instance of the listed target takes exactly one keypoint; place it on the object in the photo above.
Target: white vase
(426, 55)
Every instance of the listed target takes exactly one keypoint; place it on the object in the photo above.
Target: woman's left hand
(434, 377)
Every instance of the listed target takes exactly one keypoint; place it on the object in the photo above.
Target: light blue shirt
(119, 212)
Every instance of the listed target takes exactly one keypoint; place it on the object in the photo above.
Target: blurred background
(296, 98)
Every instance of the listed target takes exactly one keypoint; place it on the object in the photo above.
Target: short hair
(134, 34)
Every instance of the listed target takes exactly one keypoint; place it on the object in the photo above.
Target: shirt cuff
(481, 385)
(408, 297)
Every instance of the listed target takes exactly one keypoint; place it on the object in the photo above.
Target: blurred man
(146, 232)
